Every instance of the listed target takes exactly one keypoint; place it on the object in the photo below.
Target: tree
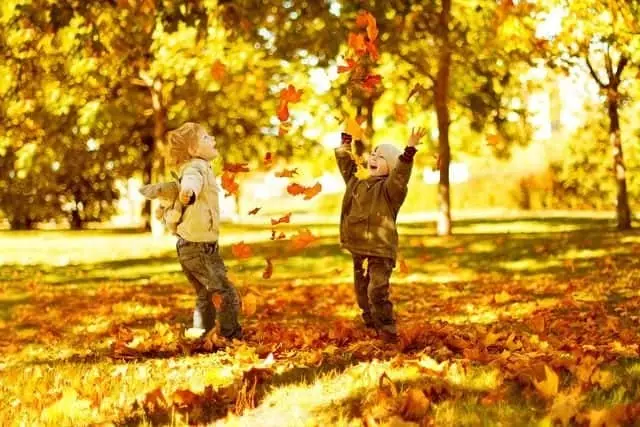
(602, 36)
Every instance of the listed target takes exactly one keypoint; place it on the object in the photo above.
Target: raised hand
(416, 136)
(346, 138)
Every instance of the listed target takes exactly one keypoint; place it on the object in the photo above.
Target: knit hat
(390, 153)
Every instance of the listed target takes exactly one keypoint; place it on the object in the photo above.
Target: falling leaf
(548, 388)
(229, 184)
(346, 68)
(281, 236)
(372, 49)
(291, 94)
(235, 167)
(254, 211)
(303, 239)
(414, 405)
(362, 19)
(294, 189)
(493, 140)
(218, 71)
(283, 111)
(241, 250)
(249, 304)
(268, 271)
(282, 220)
(400, 113)
(311, 192)
(287, 173)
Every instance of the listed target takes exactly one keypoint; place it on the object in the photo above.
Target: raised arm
(344, 157)
(398, 180)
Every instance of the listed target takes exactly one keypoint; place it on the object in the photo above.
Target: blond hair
(183, 138)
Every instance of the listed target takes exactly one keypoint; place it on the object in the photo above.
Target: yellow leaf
(490, 339)
(549, 386)
(502, 297)
(249, 304)
(354, 129)
(565, 407)
(362, 173)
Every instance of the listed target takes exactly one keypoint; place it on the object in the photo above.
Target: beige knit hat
(390, 153)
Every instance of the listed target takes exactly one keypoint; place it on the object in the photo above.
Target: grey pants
(205, 269)
(372, 291)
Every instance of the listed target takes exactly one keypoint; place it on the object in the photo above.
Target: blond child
(191, 148)
(368, 225)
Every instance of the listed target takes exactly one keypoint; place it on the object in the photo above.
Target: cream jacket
(200, 221)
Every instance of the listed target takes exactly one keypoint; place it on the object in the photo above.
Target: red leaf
(241, 250)
(373, 50)
(295, 189)
(371, 81)
(218, 71)
(346, 68)
(283, 111)
(362, 20)
(268, 271)
(282, 220)
(254, 211)
(287, 173)
(290, 94)
(235, 167)
(229, 184)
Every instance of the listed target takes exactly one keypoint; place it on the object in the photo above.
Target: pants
(205, 269)
(372, 291)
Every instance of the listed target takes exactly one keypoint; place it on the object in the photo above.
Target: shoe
(194, 333)
(237, 335)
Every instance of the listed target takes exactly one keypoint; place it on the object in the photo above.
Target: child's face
(205, 148)
(378, 166)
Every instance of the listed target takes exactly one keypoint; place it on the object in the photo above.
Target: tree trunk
(623, 212)
(441, 97)
(76, 219)
(22, 223)
(147, 172)
(159, 149)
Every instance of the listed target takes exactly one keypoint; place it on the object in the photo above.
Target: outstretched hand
(416, 136)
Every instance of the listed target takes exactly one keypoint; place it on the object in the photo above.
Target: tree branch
(621, 64)
(594, 74)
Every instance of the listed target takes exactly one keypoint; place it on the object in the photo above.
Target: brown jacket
(370, 207)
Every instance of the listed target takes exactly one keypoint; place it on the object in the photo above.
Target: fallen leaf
(537, 324)
(502, 297)
(254, 211)
(249, 304)
(548, 387)
(287, 173)
(241, 250)
(235, 167)
(303, 239)
(565, 407)
(415, 405)
(268, 271)
(229, 183)
(282, 220)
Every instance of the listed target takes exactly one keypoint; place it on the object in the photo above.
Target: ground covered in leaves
(510, 322)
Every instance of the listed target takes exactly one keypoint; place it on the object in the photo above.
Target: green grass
(91, 323)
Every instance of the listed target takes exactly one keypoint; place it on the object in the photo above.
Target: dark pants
(203, 266)
(372, 291)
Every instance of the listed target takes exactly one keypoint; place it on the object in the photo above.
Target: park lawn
(525, 321)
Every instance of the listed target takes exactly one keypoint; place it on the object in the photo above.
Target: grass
(91, 330)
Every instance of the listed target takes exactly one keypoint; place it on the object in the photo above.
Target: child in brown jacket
(368, 225)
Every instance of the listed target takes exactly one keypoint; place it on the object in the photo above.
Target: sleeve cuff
(408, 154)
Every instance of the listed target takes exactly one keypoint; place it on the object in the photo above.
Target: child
(368, 225)
(191, 148)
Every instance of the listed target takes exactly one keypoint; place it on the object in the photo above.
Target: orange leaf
(415, 405)
(282, 220)
(493, 140)
(218, 71)
(354, 129)
(283, 111)
(284, 129)
(254, 211)
(356, 42)
(346, 68)
(303, 239)
(268, 159)
(229, 184)
(294, 189)
(362, 20)
(287, 173)
(400, 113)
(372, 28)
(249, 304)
(235, 167)
(268, 271)
(311, 192)
(241, 250)
(290, 94)
(185, 399)
(373, 50)
(404, 268)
